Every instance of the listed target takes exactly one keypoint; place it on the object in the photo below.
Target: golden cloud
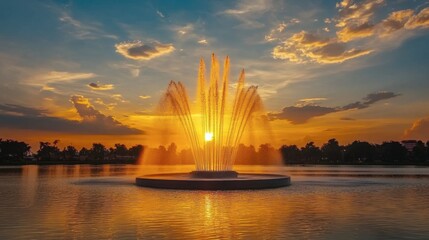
(354, 22)
(307, 47)
(138, 50)
(419, 129)
(395, 21)
(349, 33)
(144, 97)
(351, 13)
(420, 20)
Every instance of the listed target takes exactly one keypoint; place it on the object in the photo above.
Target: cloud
(248, 12)
(420, 20)
(395, 21)
(347, 119)
(353, 22)
(97, 86)
(203, 42)
(356, 19)
(306, 108)
(378, 96)
(276, 32)
(138, 50)
(403, 20)
(309, 101)
(83, 31)
(144, 97)
(44, 80)
(109, 106)
(160, 14)
(307, 47)
(184, 30)
(133, 69)
(191, 33)
(18, 110)
(298, 115)
(359, 31)
(370, 99)
(119, 98)
(93, 122)
(356, 13)
(349, 33)
(56, 76)
(419, 130)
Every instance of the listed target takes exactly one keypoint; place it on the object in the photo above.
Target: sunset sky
(93, 71)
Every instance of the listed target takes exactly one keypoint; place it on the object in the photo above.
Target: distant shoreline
(132, 162)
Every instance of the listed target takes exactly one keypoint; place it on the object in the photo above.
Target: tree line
(16, 152)
(331, 152)
(358, 152)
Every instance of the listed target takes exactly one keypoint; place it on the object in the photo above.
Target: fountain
(214, 126)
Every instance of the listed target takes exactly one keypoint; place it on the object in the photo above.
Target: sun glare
(208, 136)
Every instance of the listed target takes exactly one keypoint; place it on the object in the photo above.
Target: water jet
(214, 128)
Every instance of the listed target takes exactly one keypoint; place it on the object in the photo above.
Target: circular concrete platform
(185, 181)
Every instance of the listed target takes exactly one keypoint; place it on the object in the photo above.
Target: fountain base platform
(201, 181)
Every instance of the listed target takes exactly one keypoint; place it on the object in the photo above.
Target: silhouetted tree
(331, 151)
(97, 152)
(48, 151)
(360, 152)
(11, 150)
(311, 153)
(427, 151)
(392, 152)
(84, 153)
(290, 154)
(171, 154)
(120, 150)
(69, 153)
(185, 157)
(267, 154)
(419, 152)
(136, 151)
(246, 155)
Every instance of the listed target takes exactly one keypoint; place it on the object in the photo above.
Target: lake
(323, 202)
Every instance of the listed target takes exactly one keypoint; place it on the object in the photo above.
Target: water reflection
(99, 202)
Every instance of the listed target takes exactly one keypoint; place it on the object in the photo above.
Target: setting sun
(208, 136)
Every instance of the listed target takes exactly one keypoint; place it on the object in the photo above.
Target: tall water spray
(215, 124)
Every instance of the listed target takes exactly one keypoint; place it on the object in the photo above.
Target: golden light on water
(208, 136)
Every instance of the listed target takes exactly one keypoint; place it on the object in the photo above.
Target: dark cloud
(298, 115)
(347, 119)
(301, 114)
(375, 97)
(98, 86)
(93, 122)
(13, 109)
(370, 99)
(143, 51)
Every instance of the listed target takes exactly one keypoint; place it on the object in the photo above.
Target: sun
(208, 136)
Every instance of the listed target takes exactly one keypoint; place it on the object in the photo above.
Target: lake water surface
(102, 202)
